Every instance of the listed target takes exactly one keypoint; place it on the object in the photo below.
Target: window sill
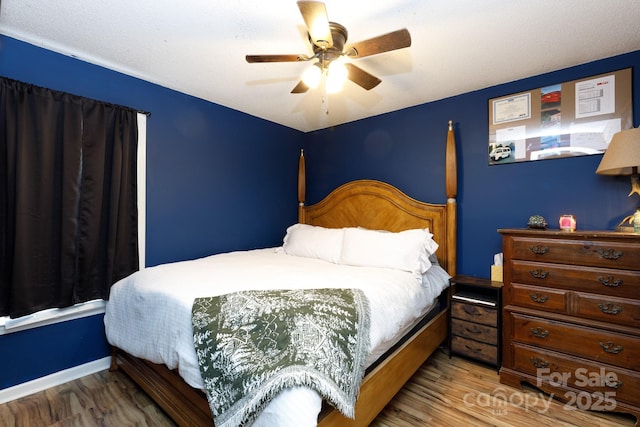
(49, 317)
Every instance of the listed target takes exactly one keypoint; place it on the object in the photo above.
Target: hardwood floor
(457, 392)
(444, 392)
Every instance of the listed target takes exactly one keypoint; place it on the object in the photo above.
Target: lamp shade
(622, 155)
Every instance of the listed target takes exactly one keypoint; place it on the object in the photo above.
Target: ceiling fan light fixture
(328, 42)
(337, 74)
(312, 76)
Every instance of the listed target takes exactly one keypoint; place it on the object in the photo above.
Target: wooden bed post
(451, 177)
(302, 187)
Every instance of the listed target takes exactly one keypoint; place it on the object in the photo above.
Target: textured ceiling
(198, 47)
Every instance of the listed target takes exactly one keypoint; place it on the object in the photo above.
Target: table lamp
(623, 158)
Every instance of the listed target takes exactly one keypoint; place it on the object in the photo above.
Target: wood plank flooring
(444, 392)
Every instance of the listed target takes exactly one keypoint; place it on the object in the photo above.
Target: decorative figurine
(537, 222)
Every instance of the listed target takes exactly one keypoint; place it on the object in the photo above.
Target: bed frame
(365, 203)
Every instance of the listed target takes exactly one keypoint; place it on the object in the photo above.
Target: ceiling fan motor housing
(339, 34)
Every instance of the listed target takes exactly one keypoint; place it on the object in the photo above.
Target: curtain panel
(68, 207)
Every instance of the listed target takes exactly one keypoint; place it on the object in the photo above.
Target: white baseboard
(54, 379)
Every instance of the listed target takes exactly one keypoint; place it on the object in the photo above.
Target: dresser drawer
(579, 373)
(474, 349)
(621, 283)
(538, 297)
(606, 308)
(603, 346)
(475, 331)
(474, 313)
(622, 255)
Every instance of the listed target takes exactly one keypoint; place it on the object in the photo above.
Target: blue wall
(406, 148)
(38, 352)
(204, 161)
(217, 180)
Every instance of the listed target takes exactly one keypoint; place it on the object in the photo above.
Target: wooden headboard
(381, 206)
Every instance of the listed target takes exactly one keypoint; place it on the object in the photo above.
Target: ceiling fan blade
(301, 87)
(384, 43)
(315, 18)
(361, 77)
(276, 58)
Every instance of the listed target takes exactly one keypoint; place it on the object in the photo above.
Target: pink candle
(567, 223)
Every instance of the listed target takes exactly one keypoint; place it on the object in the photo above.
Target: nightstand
(475, 319)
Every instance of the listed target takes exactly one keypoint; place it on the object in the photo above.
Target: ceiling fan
(328, 42)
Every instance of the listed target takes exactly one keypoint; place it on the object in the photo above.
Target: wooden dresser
(571, 316)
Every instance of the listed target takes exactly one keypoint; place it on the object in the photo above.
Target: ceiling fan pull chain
(325, 94)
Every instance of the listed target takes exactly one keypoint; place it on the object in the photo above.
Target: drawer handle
(539, 249)
(471, 310)
(610, 253)
(610, 281)
(538, 297)
(538, 363)
(540, 333)
(475, 330)
(611, 384)
(475, 350)
(539, 274)
(610, 308)
(610, 347)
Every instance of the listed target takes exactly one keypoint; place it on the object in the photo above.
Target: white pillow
(311, 241)
(407, 250)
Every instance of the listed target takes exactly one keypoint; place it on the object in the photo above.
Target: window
(90, 308)
(68, 212)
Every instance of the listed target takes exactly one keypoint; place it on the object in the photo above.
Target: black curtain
(68, 207)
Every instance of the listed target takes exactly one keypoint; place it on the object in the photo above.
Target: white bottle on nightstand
(636, 221)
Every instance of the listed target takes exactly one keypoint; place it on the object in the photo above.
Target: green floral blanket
(253, 344)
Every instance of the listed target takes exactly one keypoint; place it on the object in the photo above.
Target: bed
(357, 205)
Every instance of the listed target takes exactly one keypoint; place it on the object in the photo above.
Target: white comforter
(148, 313)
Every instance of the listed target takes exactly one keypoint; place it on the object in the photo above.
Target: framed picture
(569, 119)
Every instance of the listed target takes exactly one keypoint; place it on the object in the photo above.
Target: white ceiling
(198, 46)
